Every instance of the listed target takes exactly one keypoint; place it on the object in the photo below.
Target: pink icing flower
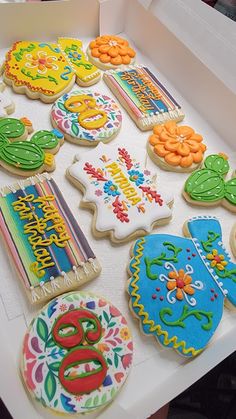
(63, 307)
(147, 172)
(98, 192)
(28, 375)
(114, 312)
(28, 354)
(126, 360)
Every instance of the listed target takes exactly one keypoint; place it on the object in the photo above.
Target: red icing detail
(217, 258)
(157, 197)
(119, 211)
(95, 173)
(212, 299)
(123, 153)
(118, 376)
(215, 295)
(193, 255)
(212, 290)
(85, 384)
(161, 298)
(158, 289)
(188, 250)
(75, 318)
(154, 296)
(180, 283)
(189, 258)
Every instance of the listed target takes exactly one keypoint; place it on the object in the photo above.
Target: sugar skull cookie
(86, 118)
(76, 354)
(178, 285)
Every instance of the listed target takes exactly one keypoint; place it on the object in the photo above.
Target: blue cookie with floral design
(178, 285)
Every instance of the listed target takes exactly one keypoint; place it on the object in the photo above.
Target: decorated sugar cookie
(109, 51)
(122, 192)
(233, 240)
(86, 73)
(48, 248)
(26, 158)
(86, 118)
(44, 71)
(6, 104)
(176, 147)
(76, 354)
(207, 186)
(178, 285)
(143, 96)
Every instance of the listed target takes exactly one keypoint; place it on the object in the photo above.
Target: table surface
(158, 374)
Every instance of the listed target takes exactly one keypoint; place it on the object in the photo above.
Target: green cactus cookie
(27, 157)
(207, 186)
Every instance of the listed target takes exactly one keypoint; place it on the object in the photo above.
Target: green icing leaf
(106, 317)
(186, 312)
(11, 127)
(88, 402)
(54, 366)
(45, 140)
(95, 401)
(74, 129)
(104, 398)
(50, 385)
(112, 324)
(50, 343)
(62, 107)
(116, 360)
(113, 392)
(42, 329)
(217, 163)
(109, 361)
(230, 191)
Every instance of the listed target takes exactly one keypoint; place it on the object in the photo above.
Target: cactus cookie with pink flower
(76, 354)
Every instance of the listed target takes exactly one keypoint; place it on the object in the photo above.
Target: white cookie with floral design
(122, 192)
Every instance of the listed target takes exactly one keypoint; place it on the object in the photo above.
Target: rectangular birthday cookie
(49, 250)
(143, 96)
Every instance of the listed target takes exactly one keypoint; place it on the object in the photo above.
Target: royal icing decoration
(207, 185)
(44, 71)
(27, 157)
(126, 196)
(178, 285)
(6, 105)
(76, 354)
(233, 239)
(48, 248)
(146, 99)
(176, 147)
(86, 117)
(110, 51)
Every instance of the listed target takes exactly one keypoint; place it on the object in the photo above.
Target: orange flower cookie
(176, 148)
(110, 51)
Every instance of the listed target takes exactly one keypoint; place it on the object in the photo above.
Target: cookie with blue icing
(178, 285)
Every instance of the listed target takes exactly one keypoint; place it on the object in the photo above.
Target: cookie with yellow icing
(47, 70)
(86, 118)
(175, 147)
(109, 51)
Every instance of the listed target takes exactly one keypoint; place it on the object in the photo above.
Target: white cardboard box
(192, 50)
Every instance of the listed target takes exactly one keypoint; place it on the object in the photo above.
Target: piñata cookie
(143, 96)
(27, 158)
(178, 285)
(86, 118)
(109, 51)
(50, 252)
(233, 240)
(122, 193)
(207, 186)
(6, 104)
(176, 147)
(77, 354)
(45, 71)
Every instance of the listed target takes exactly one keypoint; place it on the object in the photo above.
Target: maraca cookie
(76, 354)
